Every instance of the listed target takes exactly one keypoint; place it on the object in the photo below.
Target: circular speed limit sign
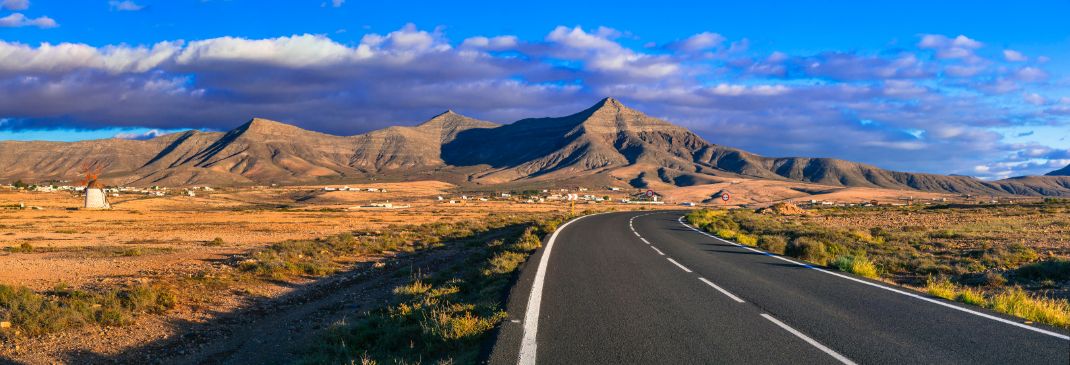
(725, 197)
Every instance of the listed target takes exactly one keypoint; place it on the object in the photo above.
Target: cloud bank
(935, 106)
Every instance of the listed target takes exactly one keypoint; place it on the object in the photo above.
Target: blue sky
(976, 88)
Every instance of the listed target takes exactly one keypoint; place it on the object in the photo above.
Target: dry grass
(975, 250)
(441, 318)
(1017, 302)
(856, 264)
(1013, 301)
(62, 308)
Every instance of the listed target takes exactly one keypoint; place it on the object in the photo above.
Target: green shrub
(746, 240)
(504, 262)
(24, 247)
(773, 243)
(528, 242)
(856, 264)
(414, 288)
(1053, 269)
(36, 314)
(994, 280)
(971, 296)
(808, 249)
(727, 234)
(942, 287)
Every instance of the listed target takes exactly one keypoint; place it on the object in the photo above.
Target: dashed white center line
(659, 251)
(809, 340)
(682, 267)
(725, 292)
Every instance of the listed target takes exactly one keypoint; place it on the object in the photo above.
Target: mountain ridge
(607, 143)
(1065, 171)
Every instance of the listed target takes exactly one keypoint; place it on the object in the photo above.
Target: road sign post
(725, 197)
(572, 203)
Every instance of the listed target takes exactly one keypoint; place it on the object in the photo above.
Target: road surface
(644, 288)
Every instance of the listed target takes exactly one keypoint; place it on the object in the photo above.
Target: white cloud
(149, 134)
(1014, 56)
(337, 3)
(699, 42)
(64, 57)
(295, 51)
(964, 70)
(17, 20)
(1034, 98)
(1031, 74)
(958, 47)
(601, 54)
(903, 88)
(492, 43)
(579, 39)
(125, 5)
(14, 4)
(724, 89)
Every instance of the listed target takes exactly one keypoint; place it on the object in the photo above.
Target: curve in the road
(604, 299)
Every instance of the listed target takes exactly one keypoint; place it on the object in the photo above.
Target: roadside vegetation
(24, 312)
(440, 318)
(1012, 258)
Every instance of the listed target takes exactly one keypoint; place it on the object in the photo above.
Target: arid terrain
(1012, 257)
(279, 259)
(195, 248)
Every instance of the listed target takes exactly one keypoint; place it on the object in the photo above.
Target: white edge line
(894, 290)
(809, 340)
(682, 267)
(528, 343)
(644, 240)
(656, 249)
(725, 292)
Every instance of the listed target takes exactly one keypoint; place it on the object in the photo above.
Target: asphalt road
(643, 288)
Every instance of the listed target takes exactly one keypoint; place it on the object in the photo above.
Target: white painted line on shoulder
(528, 345)
(725, 292)
(682, 267)
(659, 251)
(894, 290)
(644, 240)
(809, 340)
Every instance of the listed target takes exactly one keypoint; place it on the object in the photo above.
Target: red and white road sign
(725, 197)
(649, 193)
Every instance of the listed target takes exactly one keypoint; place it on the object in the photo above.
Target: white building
(95, 197)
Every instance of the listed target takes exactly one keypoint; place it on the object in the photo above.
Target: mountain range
(1065, 171)
(608, 143)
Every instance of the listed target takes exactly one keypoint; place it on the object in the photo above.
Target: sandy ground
(144, 236)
